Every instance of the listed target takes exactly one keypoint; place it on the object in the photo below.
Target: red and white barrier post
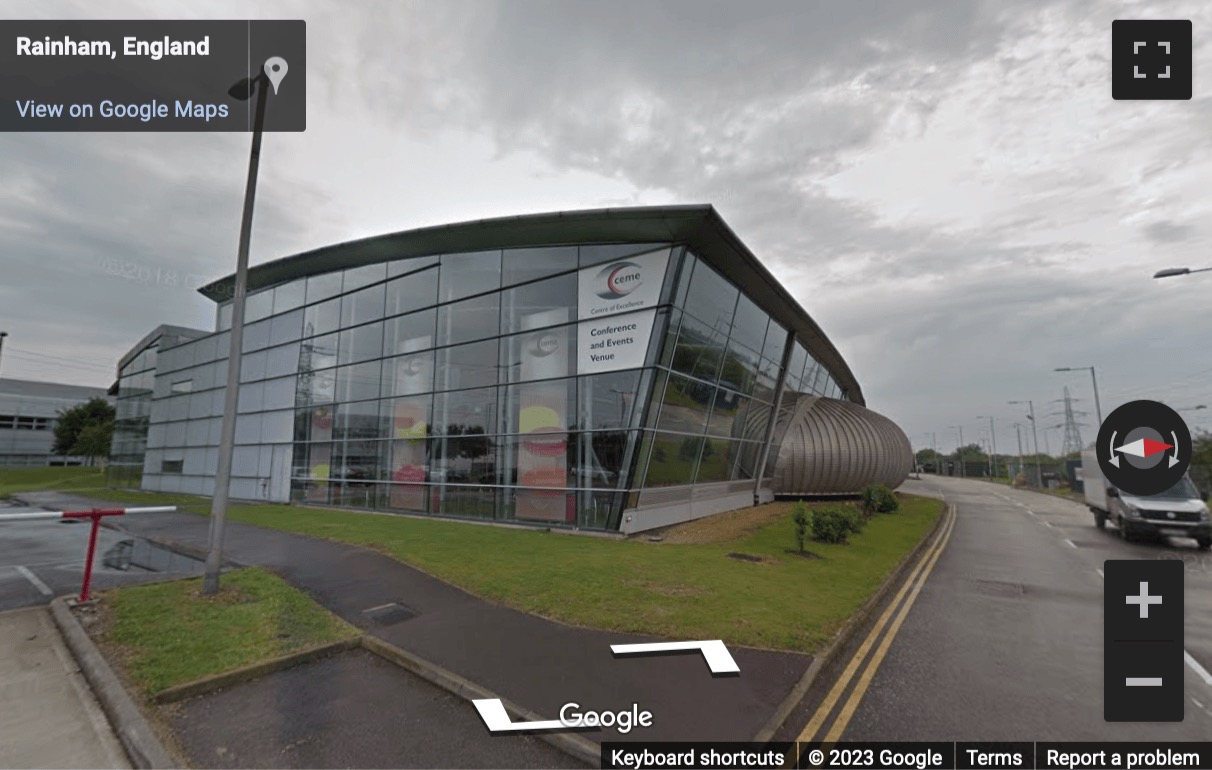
(96, 514)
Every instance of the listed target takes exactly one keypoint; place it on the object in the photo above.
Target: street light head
(1063, 369)
(1170, 272)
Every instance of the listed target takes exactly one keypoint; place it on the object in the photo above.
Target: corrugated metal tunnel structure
(835, 447)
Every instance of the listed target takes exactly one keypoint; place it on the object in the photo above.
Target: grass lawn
(167, 634)
(68, 479)
(691, 590)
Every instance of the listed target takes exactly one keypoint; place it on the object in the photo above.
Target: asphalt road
(43, 559)
(1004, 640)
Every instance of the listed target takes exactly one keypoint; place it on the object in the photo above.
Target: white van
(1177, 512)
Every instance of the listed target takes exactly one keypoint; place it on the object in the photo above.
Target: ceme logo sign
(619, 280)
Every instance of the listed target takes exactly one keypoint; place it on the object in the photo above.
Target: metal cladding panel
(839, 447)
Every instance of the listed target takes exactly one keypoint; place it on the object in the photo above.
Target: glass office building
(605, 370)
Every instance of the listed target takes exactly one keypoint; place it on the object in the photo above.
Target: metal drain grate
(389, 614)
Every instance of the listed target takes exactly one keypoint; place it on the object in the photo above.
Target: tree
(928, 456)
(72, 422)
(94, 441)
(971, 452)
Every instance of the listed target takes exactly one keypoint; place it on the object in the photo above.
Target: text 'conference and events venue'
(615, 370)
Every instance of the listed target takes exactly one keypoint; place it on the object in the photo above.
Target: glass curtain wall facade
(452, 385)
(132, 409)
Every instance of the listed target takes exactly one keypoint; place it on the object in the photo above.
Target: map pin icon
(275, 69)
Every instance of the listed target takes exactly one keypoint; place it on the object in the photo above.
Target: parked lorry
(1179, 511)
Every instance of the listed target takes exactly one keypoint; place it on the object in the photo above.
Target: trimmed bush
(835, 523)
(877, 498)
(803, 520)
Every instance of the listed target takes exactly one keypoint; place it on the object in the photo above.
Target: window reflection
(471, 319)
(463, 275)
(672, 459)
(464, 412)
(412, 292)
(544, 303)
(522, 265)
(538, 355)
(467, 366)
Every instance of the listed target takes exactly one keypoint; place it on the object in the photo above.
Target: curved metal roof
(698, 226)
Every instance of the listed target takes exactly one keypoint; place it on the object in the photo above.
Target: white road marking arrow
(718, 658)
(492, 711)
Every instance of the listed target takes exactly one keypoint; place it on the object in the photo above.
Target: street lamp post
(959, 453)
(2, 336)
(227, 437)
(1098, 408)
(993, 446)
(1039, 471)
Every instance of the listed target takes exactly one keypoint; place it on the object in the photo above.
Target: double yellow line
(913, 587)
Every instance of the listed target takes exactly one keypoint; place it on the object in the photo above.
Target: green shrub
(835, 523)
(803, 520)
(877, 498)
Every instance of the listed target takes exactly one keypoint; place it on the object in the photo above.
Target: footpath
(48, 716)
(539, 665)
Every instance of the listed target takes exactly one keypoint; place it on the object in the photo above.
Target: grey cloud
(1168, 232)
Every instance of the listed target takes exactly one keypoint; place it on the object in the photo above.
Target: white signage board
(621, 286)
(614, 342)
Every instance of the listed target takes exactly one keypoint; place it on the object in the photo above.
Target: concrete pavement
(48, 716)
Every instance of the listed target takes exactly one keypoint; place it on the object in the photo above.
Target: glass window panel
(289, 296)
(408, 419)
(361, 420)
(522, 265)
(672, 459)
(257, 306)
(466, 459)
(669, 342)
(248, 429)
(699, 350)
(470, 273)
(318, 353)
(776, 340)
(727, 413)
(321, 287)
(471, 319)
(739, 371)
(357, 277)
(406, 333)
(412, 292)
(467, 366)
(716, 459)
(466, 501)
(286, 327)
(276, 426)
(223, 318)
(541, 354)
(279, 393)
(543, 303)
(749, 454)
(314, 423)
(711, 298)
(602, 462)
(284, 359)
(540, 408)
(408, 374)
(358, 382)
(360, 460)
(256, 336)
(533, 461)
(252, 366)
(251, 397)
(360, 343)
(795, 367)
(607, 400)
(684, 405)
(767, 379)
(362, 306)
(410, 265)
(465, 412)
(322, 318)
(592, 254)
(749, 324)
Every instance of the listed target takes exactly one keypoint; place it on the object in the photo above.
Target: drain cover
(389, 614)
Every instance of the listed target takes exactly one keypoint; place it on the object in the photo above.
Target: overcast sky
(946, 187)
